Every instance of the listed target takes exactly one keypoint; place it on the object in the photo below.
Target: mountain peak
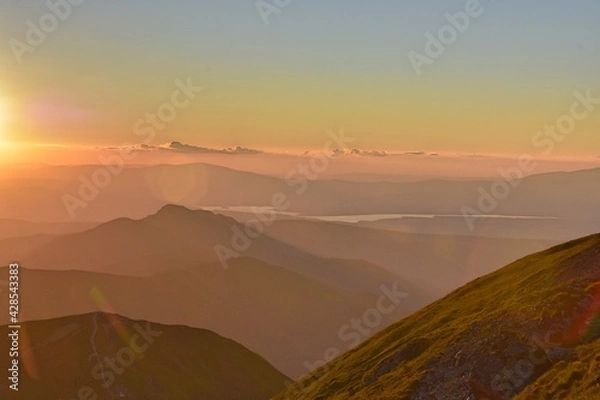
(174, 211)
(174, 208)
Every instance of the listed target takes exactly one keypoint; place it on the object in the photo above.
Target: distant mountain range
(254, 303)
(164, 268)
(112, 357)
(138, 191)
(12, 228)
(452, 259)
(345, 256)
(528, 331)
(176, 237)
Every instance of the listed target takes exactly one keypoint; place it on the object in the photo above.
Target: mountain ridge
(111, 356)
(544, 314)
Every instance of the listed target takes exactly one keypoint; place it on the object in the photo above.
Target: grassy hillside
(60, 358)
(530, 328)
(575, 380)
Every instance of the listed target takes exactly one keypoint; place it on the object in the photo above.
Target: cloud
(378, 153)
(178, 147)
(187, 148)
(184, 148)
(358, 152)
(368, 153)
(242, 150)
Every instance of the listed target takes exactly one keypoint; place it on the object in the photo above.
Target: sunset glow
(299, 199)
(282, 85)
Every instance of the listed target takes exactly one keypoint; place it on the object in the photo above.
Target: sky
(277, 78)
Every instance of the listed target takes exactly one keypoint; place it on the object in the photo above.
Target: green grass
(477, 321)
(576, 380)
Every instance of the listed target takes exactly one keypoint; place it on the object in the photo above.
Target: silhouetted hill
(254, 303)
(452, 259)
(176, 236)
(139, 191)
(11, 228)
(113, 357)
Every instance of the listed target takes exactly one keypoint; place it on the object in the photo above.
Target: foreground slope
(530, 329)
(113, 357)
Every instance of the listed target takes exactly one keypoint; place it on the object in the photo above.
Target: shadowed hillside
(174, 237)
(113, 357)
(254, 303)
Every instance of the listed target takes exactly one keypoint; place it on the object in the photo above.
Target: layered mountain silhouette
(11, 228)
(174, 237)
(345, 256)
(254, 303)
(453, 259)
(106, 356)
(164, 268)
(530, 331)
(138, 191)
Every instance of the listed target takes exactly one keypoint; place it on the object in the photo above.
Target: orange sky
(284, 85)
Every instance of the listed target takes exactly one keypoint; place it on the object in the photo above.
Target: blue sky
(320, 60)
